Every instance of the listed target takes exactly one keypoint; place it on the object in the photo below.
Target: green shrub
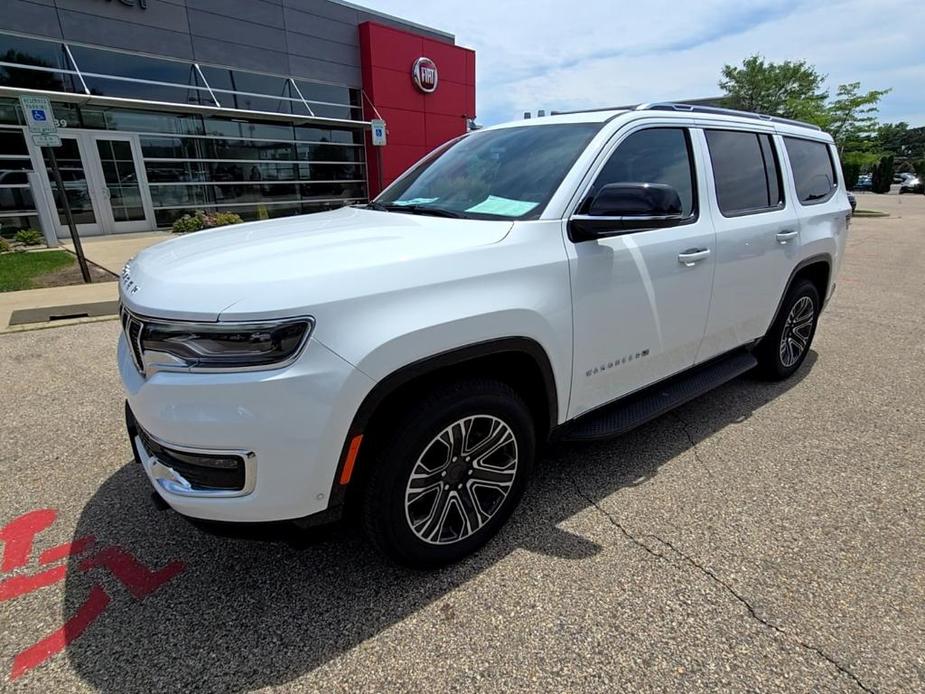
(186, 224)
(220, 219)
(204, 220)
(5, 246)
(30, 237)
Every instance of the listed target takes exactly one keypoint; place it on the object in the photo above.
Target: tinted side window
(658, 155)
(813, 170)
(745, 171)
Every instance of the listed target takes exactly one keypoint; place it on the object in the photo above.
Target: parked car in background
(865, 182)
(564, 278)
(912, 184)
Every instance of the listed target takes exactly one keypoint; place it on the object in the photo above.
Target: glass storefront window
(159, 172)
(143, 91)
(328, 93)
(23, 51)
(343, 136)
(12, 143)
(332, 152)
(144, 121)
(332, 172)
(238, 89)
(15, 195)
(247, 129)
(16, 199)
(9, 225)
(118, 64)
(44, 65)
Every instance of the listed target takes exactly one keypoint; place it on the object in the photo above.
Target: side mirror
(621, 207)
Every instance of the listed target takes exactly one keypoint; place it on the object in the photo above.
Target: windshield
(509, 173)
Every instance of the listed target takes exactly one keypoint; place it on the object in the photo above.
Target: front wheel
(787, 342)
(449, 472)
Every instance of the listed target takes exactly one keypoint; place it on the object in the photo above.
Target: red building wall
(416, 122)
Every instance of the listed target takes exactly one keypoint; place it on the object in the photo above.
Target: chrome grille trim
(133, 327)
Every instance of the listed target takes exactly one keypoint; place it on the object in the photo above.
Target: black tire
(388, 519)
(777, 361)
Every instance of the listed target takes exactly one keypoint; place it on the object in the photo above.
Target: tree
(851, 118)
(791, 89)
(901, 140)
(882, 175)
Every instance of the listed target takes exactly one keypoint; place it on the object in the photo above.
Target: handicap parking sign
(378, 131)
(39, 116)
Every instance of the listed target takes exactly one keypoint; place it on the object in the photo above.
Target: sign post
(41, 121)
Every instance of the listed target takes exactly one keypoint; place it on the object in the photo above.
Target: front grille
(132, 328)
(203, 471)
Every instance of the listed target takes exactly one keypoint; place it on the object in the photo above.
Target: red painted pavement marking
(59, 639)
(135, 576)
(18, 537)
(68, 549)
(18, 534)
(20, 585)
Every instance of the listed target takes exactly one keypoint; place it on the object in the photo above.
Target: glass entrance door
(121, 192)
(76, 187)
(104, 182)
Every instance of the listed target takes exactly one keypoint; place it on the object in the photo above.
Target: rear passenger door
(757, 235)
(822, 204)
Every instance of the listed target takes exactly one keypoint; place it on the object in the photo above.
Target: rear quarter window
(813, 170)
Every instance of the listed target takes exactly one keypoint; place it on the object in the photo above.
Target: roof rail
(628, 107)
(716, 110)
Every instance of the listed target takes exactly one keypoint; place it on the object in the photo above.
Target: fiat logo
(424, 74)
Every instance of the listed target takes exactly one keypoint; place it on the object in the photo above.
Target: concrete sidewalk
(109, 252)
(113, 251)
(53, 296)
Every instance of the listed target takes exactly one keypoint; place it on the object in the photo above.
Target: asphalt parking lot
(761, 538)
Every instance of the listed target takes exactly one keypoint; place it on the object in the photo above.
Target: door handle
(786, 235)
(693, 256)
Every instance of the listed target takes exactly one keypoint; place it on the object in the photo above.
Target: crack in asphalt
(719, 581)
(685, 427)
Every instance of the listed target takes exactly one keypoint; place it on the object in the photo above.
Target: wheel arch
(520, 362)
(818, 270)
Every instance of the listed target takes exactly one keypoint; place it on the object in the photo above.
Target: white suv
(529, 281)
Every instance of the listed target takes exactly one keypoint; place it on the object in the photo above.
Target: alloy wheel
(798, 330)
(461, 480)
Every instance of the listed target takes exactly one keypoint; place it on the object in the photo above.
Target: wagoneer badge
(424, 74)
(128, 284)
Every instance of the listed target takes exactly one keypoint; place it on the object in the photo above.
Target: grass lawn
(18, 269)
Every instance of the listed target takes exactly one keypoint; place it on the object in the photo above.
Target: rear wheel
(787, 342)
(449, 473)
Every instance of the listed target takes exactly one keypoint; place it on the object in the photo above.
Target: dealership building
(258, 107)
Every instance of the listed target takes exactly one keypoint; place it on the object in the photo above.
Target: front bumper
(287, 426)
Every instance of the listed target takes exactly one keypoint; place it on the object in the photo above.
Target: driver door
(640, 298)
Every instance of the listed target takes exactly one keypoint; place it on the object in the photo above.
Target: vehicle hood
(282, 267)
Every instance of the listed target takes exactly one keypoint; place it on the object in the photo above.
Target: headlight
(161, 344)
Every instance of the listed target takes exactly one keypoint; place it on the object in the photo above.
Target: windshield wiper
(416, 209)
(426, 209)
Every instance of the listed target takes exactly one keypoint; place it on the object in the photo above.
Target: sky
(562, 55)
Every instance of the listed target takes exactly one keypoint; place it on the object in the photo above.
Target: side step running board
(654, 401)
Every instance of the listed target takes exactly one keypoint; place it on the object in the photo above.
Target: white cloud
(562, 55)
